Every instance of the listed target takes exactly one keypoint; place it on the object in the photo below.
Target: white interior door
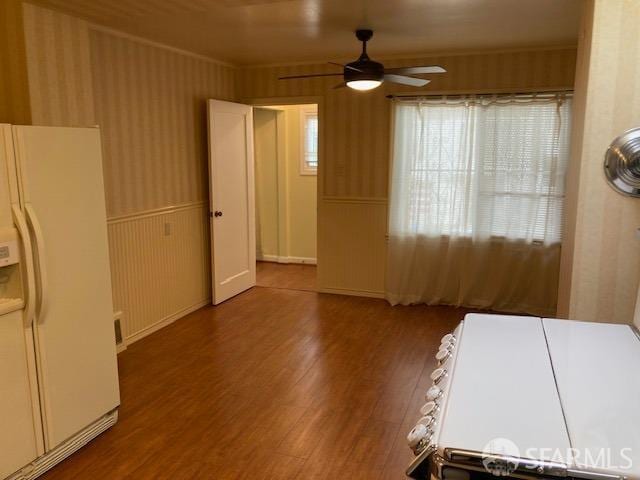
(63, 199)
(231, 199)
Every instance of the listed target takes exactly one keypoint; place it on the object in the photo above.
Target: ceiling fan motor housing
(364, 69)
(364, 34)
(365, 74)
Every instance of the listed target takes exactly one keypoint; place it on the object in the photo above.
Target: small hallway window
(309, 141)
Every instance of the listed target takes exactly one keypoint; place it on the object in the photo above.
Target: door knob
(217, 213)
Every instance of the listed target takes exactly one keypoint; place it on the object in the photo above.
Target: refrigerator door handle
(21, 224)
(32, 218)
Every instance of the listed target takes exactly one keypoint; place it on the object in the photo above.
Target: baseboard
(278, 259)
(302, 260)
(267, 258)
(353, 293)
(164, 322)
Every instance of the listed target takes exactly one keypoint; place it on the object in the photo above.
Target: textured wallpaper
(148, 100)
(150, 104)
(357, 124)
(14, 91)
(601, 279)
(59, 63)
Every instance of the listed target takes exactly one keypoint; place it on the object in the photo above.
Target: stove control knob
(438, 374)
(433, 393)
(429, 409)
(443, 355)
(427, 420)
(449, 337)
(447, 346)
(418, 438)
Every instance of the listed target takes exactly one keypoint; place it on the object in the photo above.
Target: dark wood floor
(272, 384)
(291, 275)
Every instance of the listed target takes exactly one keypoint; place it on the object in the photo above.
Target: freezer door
(62, 194)
(20, 425)
(20, 430)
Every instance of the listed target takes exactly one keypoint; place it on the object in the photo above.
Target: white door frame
(281, 179)
(303, 100)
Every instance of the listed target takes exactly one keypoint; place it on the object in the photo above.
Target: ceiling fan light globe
(364, 85)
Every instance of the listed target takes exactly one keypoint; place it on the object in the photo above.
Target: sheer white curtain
(476, 201)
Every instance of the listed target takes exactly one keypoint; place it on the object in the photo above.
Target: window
(309, 141)
(481, 167)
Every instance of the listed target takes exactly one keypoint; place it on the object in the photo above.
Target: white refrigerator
(58, 369)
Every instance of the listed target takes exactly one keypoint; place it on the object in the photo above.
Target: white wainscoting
(352, 246)
(160, 266)
(158, 278)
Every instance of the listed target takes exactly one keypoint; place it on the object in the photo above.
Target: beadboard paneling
(156, 276)
(59, 64)
(150, 104)
(352, 246)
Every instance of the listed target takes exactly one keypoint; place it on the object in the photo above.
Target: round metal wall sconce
(622, 163)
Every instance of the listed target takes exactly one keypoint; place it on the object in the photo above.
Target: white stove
(526, 397)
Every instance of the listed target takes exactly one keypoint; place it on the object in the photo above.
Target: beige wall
(265, 138)
(14, 88)
(149, 102)
(302, 193)
(602, 270)
(355, 143)
(573, 170)
(286, 199)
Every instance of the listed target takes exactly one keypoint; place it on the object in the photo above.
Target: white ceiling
(280, 31)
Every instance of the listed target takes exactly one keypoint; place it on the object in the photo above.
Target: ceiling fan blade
(345, 66)
(415, 70)
(402, 80)
(340, 85)
(291, 77)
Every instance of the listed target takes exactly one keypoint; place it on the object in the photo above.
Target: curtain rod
(502, 94)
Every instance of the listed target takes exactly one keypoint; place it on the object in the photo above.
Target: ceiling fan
(365, 74)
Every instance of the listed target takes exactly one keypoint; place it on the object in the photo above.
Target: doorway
(286, 169)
